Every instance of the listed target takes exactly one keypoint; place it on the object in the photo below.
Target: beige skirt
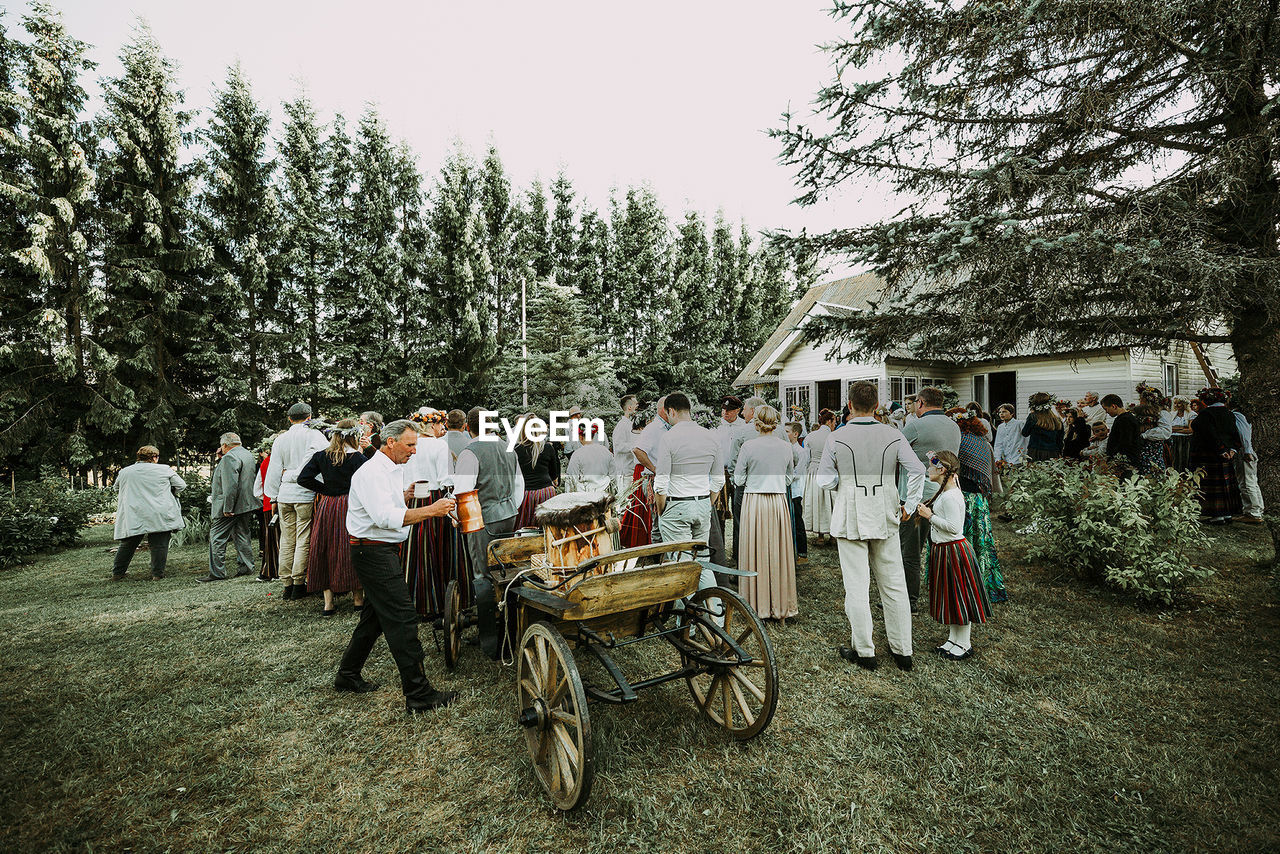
(817, 506)
(768, 550)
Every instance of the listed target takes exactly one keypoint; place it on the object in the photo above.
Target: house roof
(839, 297)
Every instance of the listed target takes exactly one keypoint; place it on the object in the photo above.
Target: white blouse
(765, 465)
(947, 524)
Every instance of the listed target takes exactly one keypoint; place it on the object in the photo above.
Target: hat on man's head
(299, 411)
(731, 402)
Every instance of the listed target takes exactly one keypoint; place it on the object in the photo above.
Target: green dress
(977, 530)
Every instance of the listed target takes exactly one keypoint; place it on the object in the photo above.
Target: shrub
(195, 529)
(46, 514)
(1133, 535)
(196, 496)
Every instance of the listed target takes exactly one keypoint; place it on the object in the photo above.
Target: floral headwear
(1148, 393)
(1040, 402)
(968, 421)
(1213, 394)
(427, 415)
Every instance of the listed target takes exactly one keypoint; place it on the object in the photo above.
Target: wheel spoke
(564, 766)
(532, 670)
(566, 718)
(728, 615)
(742, 704)
(557, 693)
(746, 633)
(529, 689)
(544, 742)
(711, 693)
(739, 679)
(728, 702)
(569, 747)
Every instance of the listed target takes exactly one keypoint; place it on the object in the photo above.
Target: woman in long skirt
(1215, 440)
(637, 519)
(434, 553)
(540, 466)
(268, 527)
(818, 501)
(1180, 427)
(977, 465)
(765, 469)
(328, 473)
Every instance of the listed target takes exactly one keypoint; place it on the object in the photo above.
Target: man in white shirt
(378, 522)
(289, 454)
(744, 431)
(860, 462)
(591, 467)
(624, 461)
(689, 469)
(1246, 465)
(646, 451)
(1093, 411)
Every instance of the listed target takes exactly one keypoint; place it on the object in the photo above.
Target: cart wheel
(452, 625)
(740, 697)
(553, 711)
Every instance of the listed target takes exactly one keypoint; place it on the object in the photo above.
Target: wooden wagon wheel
(742, 697)
(452, 625)
(553, 711)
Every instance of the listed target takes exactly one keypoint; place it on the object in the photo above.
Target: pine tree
(694, 356)
(641, 264)
(563, 233)
(344, 347)
(728, 289)
(242, 217)
(417, 304)
(501, 223)
(590, 273)
(158, 302)
(467, 352)
(751, 332)
(51, 300)
(305, 252)
(535, 232)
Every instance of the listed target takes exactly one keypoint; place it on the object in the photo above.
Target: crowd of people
(903, 489)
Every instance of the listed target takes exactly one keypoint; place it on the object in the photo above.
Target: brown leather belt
(360, 541)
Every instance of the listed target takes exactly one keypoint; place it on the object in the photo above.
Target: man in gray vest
(232, 505)
(931, 431)
(860, 462)
(486, 466)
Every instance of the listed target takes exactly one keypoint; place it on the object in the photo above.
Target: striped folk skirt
(329, 560)
(957, 596)
(269, 544)
(1181, 444)
(817, 505)
(977, 530)
(433, 556)
(532, 499)
(1219, 489)
(768, 549)
(637, 519)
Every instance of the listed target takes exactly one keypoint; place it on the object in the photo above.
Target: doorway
(829, 396)
(1002, 387)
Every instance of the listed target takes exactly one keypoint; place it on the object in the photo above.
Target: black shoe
(120, 577)
(357, 608)
(328, 612)
(903, 661)
(300, 591)
(869, 662)
(435, 700)
(353, 683)
(243, 572)
(958, 656)
(288, 593)
(205, 579)
(157, 576)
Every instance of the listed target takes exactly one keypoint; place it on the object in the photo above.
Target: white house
(806, 375)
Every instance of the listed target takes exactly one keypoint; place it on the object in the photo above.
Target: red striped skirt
(957, 595)
(329, 560)
(1219, 491)
(637, 519)
(524, 519)
(433, 556)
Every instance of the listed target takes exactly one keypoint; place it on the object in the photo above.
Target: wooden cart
(723, 650)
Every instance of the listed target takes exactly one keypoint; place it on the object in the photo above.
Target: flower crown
(1042, 407)
(436, 417)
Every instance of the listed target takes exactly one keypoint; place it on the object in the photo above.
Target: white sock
(960, 636)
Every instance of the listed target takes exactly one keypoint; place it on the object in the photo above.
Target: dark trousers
(738, 492)
(911, 538)
(797, 525)
(223, 530)
(715, 537)
(478, 543)
(388, 611)
(159, 543)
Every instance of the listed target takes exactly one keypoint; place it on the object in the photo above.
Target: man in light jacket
(292, 500)
(148, 507)
(231, 505)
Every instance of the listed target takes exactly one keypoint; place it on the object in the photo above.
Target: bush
(195, 528)
(1133, 535)
(46, 514)
(196, 496)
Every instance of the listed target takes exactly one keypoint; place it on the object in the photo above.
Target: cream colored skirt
(768, 550)
(817, 506)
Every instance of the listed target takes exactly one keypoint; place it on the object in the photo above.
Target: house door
(829, 396)
(1002, 387)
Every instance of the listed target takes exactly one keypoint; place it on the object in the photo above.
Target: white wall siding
(1148, 365)
(1059, 377)
(807, 362)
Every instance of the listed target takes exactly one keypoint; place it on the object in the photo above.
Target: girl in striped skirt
(328, 473)
(957, 596)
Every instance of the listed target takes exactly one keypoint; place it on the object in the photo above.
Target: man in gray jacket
(232, 504)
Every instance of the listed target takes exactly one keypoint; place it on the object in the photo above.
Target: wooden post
(1204, 363)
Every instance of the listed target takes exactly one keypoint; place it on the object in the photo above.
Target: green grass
(175, 716)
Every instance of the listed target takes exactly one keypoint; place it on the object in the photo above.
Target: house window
(895, 388)
(980, 390)
(1170, 379)
(796, 395)
(931, 381)
(910, 385)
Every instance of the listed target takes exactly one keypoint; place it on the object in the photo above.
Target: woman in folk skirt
(818, 501)
(1215, 440)
(269, 528)
(435, 552)
(977, 467)
(540, 465)
(1180, 427)
(957, 596)
(328, 473)
(765, 469)
(1043, 429)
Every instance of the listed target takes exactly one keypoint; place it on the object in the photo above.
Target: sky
(676, 94)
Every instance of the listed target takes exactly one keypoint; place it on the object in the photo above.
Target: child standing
(957, 596)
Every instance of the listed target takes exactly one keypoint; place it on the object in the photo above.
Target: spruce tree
(344, 348)
(563, 235)
(242, 228)
(751, 331)
(501, 221)
(51, 300)
(535, 232)
(305, 253)
(728, 288)
(590, 273)
(158, 300)
(694, 356)
(417, 305)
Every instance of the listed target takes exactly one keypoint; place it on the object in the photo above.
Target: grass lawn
(175, 716)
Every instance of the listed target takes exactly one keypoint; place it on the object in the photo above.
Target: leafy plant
(1133, 534)
(195, 528)
(46, 514)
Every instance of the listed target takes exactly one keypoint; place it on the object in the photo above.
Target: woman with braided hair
(957, 597)
(328, 473)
